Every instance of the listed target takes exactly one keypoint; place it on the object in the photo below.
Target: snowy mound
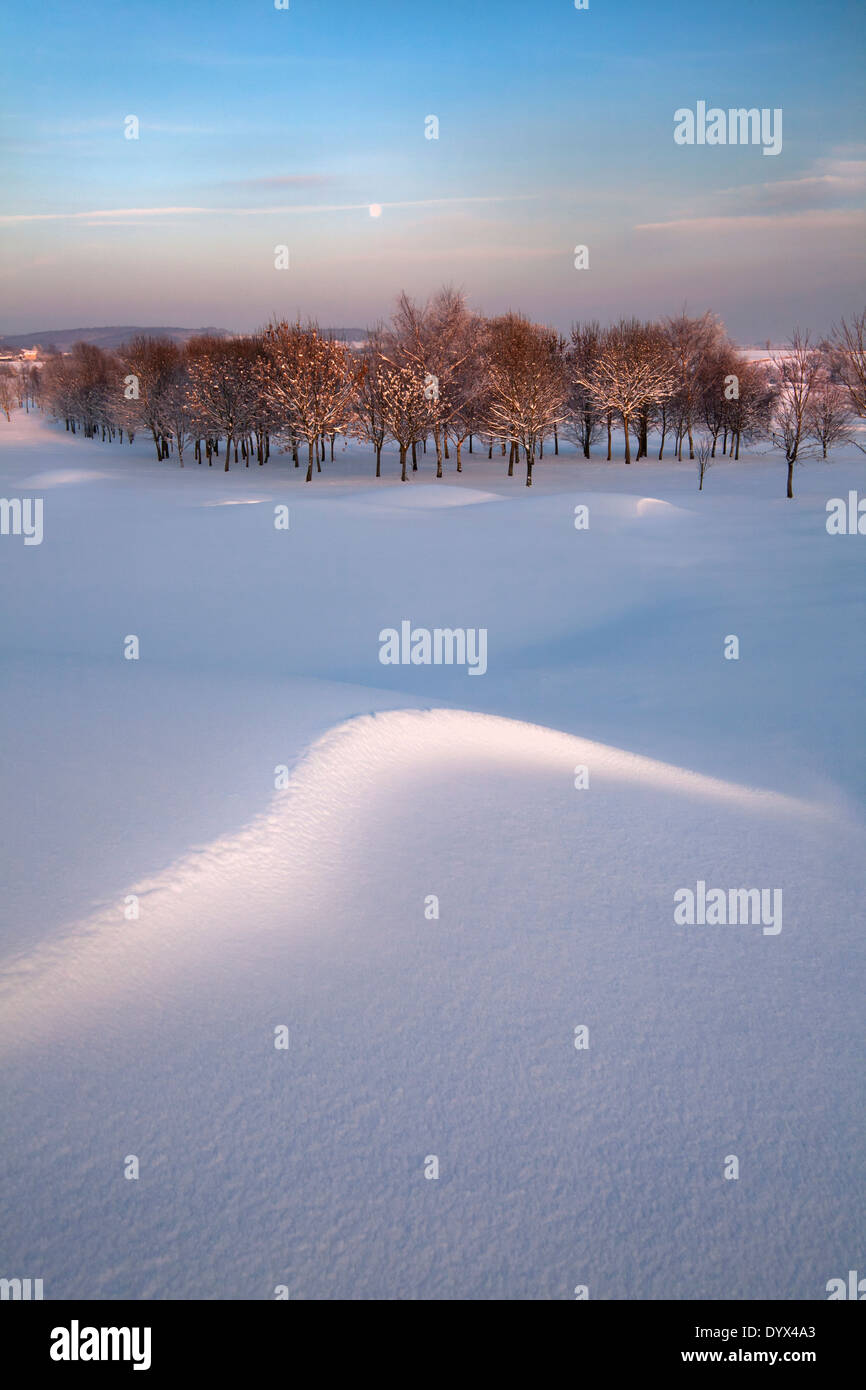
(428, 493)
(236, 502)
(654, 506)
(64, 477)
(433, 1001)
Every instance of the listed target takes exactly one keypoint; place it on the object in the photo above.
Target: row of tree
(440, 376)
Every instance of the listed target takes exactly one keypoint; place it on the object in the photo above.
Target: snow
(411, 1035)
(59, 477)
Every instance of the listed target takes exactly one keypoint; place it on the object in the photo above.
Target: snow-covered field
(309, 906)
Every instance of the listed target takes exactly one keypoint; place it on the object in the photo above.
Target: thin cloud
(817, 219)
(291, 209)
(832, 184)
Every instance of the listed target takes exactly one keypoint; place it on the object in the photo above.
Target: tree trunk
(311, 444)
(378, 460)
(625, 425)
(790, 477)
(528, 468)
(609, 445)
(403, 452)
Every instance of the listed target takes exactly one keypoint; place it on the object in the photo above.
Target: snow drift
(414, 1035)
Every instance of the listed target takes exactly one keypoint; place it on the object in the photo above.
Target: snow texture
(412, 1036)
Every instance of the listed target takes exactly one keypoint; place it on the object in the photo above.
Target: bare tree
(405, 408)
(719, 385)
(434, 341)
(369, 418)
(583, 411)
(691, 341)
(630, 369)
(176, 413)
(92, 379)
(58, 390)
(308, 380)
(798, 369)
(220, 390)
(467, 400)
(656, 348)
(527, 389)
(849, 353)
(749, 406)
(152, 362)
(8, 394)
(704, 456)
(829, 416)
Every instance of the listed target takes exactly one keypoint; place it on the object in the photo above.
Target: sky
(261, 127)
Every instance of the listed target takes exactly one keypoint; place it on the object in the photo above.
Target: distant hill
(63, 338)
(348, 335)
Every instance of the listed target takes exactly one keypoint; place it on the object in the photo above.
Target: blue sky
(261, 127)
